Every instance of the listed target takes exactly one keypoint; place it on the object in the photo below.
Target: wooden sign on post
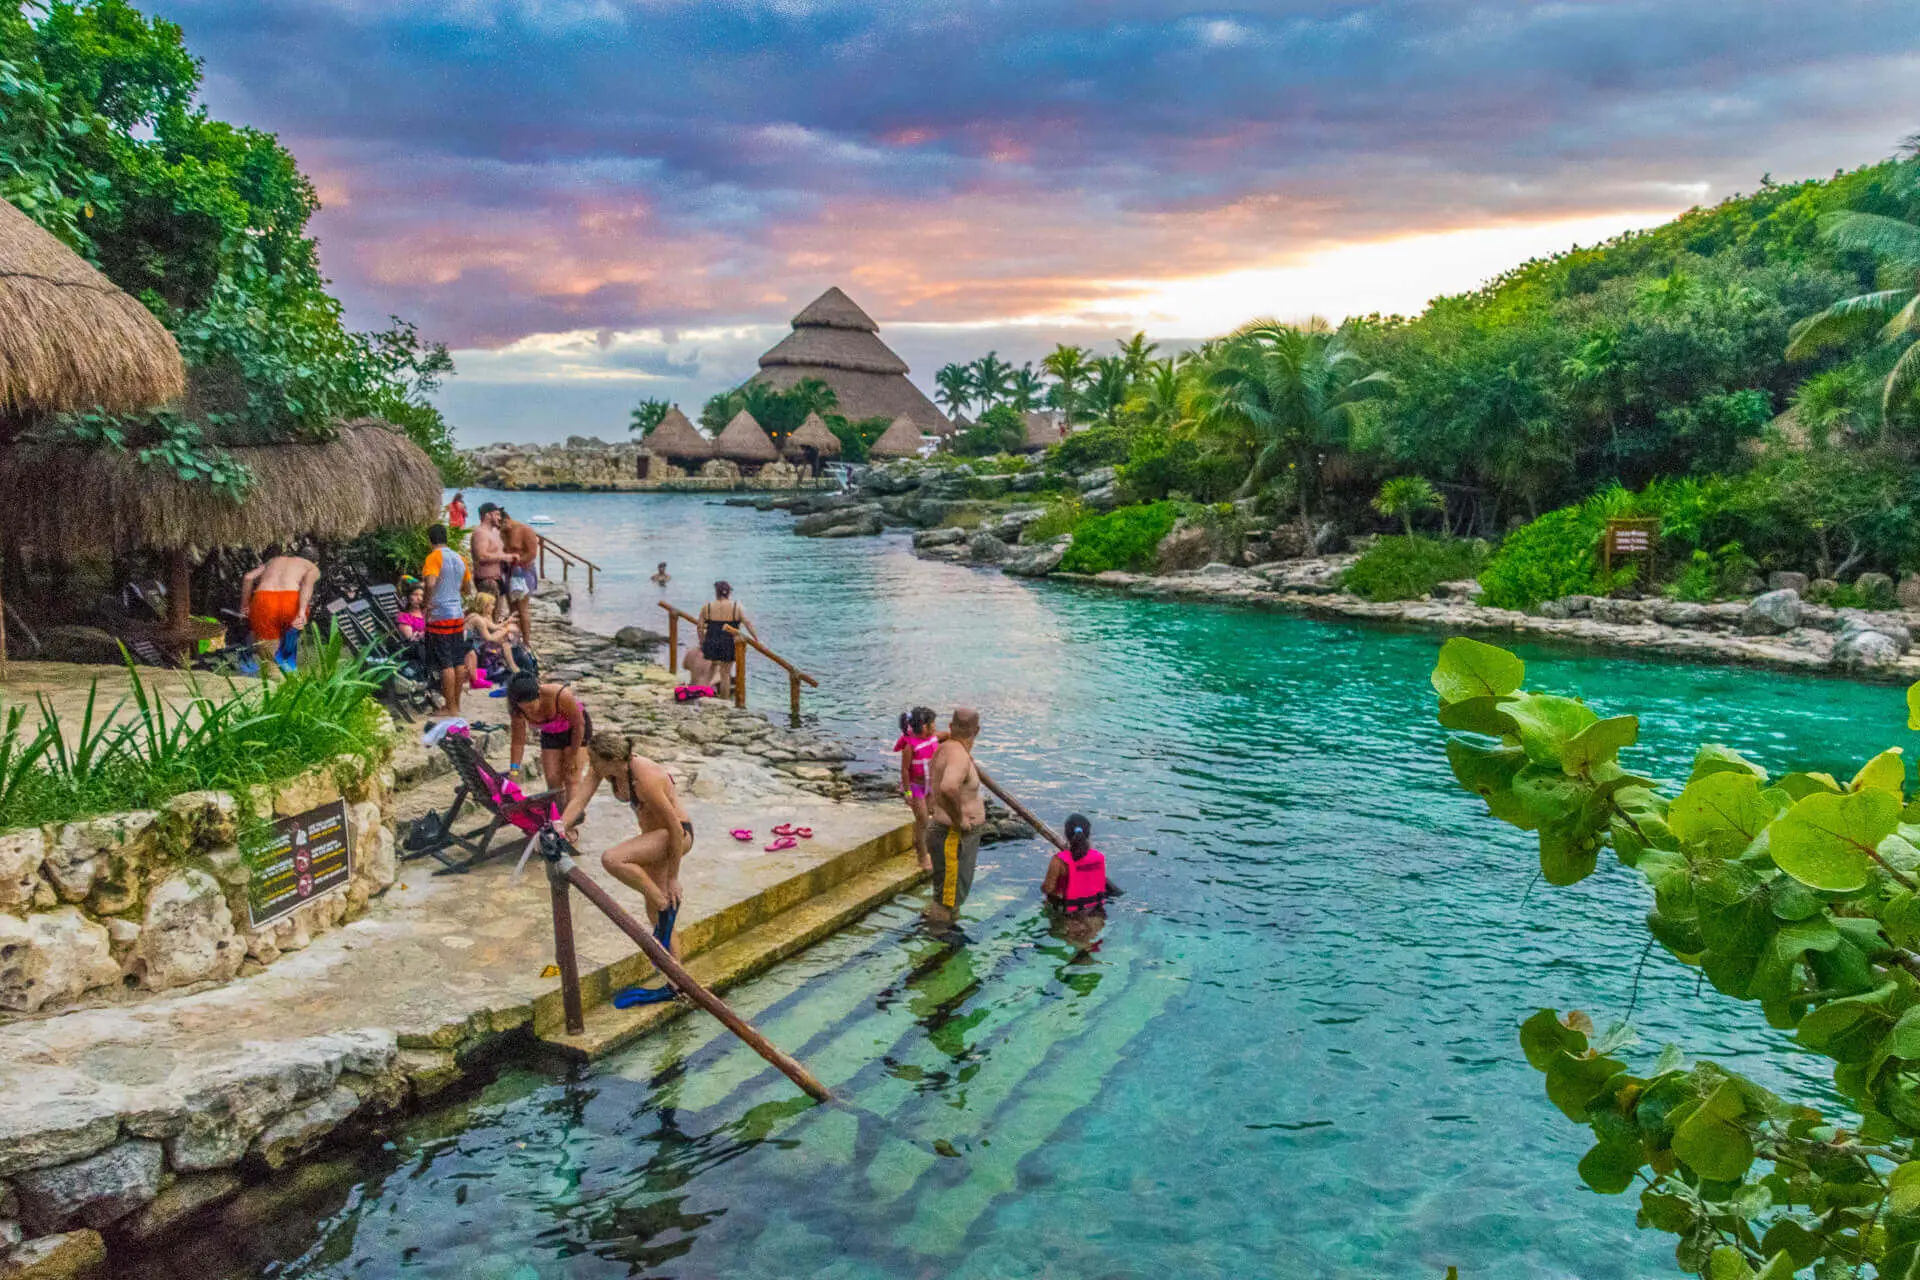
(1629, 540)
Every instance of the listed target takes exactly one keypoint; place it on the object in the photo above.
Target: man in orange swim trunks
(275, 599)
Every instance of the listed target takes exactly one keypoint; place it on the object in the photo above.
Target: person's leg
(637, 864)
(264, 650)
(940, 841)
(553, 767)
(918, 803)
(450, 679)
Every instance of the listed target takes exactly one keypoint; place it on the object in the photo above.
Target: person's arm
(247, 585)
(578, 797)
(746, 625)
(518, 739)
(579, 718)
(1050, 886)
(906, 770)
(308, 580)
(950, 787)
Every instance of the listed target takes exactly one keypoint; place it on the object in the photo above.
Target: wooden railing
(742, 642)
(567, 560)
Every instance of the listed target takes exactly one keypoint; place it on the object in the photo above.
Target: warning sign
(305, 857)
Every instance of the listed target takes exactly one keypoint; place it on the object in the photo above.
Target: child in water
(916, 745)
(1076, 889)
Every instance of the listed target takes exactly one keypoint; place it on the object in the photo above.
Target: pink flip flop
(784, 829)
(805, 833)
(741, 834)
(784, 842)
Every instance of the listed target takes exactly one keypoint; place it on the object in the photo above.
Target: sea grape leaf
(1801, 785)
(1609, 1167)
(1569, 851)
(1725, 1263)
(1913, 706)
(1470, 669)
(1476, 715)
(1904, 1185)
(1489, 772)
(1599, 743)
(1546, 722)
(1904, 1040)
(1885, 772)
(1720, 814)
(1710, 1142)
(1544, 1037)
(1826, 1027)
(1714, 758)
(1546, 795)
(1573, 1084)
(1826, 841)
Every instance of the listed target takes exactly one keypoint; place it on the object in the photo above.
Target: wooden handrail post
(671, 969)
(563, 953)
(793, 694)
(673, 642)
(1025, 814)
(739, 674)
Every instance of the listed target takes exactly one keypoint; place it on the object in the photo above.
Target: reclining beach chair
(487, 788)
(403, 684)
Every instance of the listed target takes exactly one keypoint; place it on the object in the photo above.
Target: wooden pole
(1025, 814)
(740, 673)
(673, 641)
(793, 685)
(179, 588)
(563, 953)
(684, 982)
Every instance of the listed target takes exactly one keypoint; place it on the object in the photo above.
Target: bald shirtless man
(647, 863)
(274, 599)
(958, 814)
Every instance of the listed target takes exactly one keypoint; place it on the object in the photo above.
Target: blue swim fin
(628, 997)
(664, 930)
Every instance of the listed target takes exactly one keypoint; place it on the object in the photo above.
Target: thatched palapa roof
(67, 500)
(675, 437)
(70, 340)
(745, 441)
(813, 434)
(901, 440)
(835, 341)
(1043, 429)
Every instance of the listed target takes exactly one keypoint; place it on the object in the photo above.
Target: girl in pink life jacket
(916, 744)
(1077, 875)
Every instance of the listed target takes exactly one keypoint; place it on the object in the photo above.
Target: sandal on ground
(784, 829)
(804, 833)
(784, 842)
(628, 997)
(742, 834)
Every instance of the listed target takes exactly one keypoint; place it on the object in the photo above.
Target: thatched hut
(900, 440)
(743, 441)
(835, 341)
(676, 441)
(66, 501)
(1045, 428)
(71, 341)
(812, 444)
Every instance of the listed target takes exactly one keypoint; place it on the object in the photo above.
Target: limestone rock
(1679, 613)
(866, 527)
(1556, 609)
(1821, 589)
(638, 638)
(72, 1255)
(429, 1071)
(1864, 651)
(815, 525)
(1772, 614)
(299, 1131)
(1578, 606)
(1461, 589)
(939, 537)
(199, 820)
(79, 849)
(178, 1201)
(21, 855)
(1875, 588)
(1889, 625)
(1105, 498)
(1038, 559)
(226, 1111)
(1186, 547)
(52, 956)
(310, 790)
(187, 935)
(1785, 580)
(1908, 592)
(95, 1192)
(54, 1132)
(1098, 478)
(985, 548)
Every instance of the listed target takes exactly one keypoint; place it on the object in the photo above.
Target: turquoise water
(1292, 1054)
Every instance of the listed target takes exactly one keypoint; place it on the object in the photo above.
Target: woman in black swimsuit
(716, 642)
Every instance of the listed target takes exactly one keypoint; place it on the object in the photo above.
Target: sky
(598, 201)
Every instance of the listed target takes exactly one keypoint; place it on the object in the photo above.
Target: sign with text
(306, 856)
(1627, 541)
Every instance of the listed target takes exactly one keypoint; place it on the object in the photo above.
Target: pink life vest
(1085, 884)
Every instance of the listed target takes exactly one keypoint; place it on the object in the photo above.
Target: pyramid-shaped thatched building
(835, 341)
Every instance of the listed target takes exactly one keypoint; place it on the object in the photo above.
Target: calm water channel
(1294, 1054)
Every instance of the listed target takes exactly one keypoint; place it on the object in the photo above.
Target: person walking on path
(958, 815)
(647, 863)
(916, 744)
(457, 512)
(716, 642)
(274, 599)
(489, 554)
(523, 575)
(562, 722)
(447, 578)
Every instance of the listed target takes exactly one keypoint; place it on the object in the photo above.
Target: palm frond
(1843, 321)
(1904, 322)
(1903, 383)
(1884, 237)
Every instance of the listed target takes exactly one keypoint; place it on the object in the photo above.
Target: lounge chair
(403, 686)
(433, 836)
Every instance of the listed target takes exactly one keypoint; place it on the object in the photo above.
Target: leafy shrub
(856, 437)
(1063, 515)
(1406, 568)
(1714, 575)
(1000, 430)
(255, 734)
(1557, 555)
(1089, 449)
(1162, 467)
(1123, 539)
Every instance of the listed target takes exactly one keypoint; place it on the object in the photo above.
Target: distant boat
(539, 519)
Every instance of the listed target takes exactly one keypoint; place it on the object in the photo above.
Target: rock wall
(117, 907)
(588, 464)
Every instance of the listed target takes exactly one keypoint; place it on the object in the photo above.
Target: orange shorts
(271, 613)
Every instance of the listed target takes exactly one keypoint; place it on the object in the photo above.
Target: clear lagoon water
(1292, 1053)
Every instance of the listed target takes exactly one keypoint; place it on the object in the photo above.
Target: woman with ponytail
(916, 745)
(1077, 875)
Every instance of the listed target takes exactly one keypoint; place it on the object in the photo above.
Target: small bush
(1714, 576)
(1406, 568)
(1063, 515)
(1000, 430)
(1086, 450)
(1557, 555)
(1123, 539)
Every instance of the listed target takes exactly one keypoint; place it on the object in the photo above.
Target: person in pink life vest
(1076, 888)
(916, 744)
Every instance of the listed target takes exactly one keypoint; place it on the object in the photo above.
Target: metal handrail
(567, 560)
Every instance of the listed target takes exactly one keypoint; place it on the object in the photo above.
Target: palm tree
(1158, 398)
(954, 388)
(1294, 391)
(647, 414)
(1137, 352)
(1895, 312)
(1026, 389)
(1404, 497)
(1068, 365)
(1107, 390)
(992, 380)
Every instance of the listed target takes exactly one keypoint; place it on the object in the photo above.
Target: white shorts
(521, 582)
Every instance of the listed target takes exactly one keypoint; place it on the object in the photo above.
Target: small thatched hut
(835, 341)
(677, 440)
(70, 340)
(812, 444)
(66, 501)
(1045, 427)
(745, 442)
(900, 440)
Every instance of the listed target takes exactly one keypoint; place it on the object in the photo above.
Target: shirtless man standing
(958, 815)
(490, 557)
(274, 599)
(523, 574)
(648, 863)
